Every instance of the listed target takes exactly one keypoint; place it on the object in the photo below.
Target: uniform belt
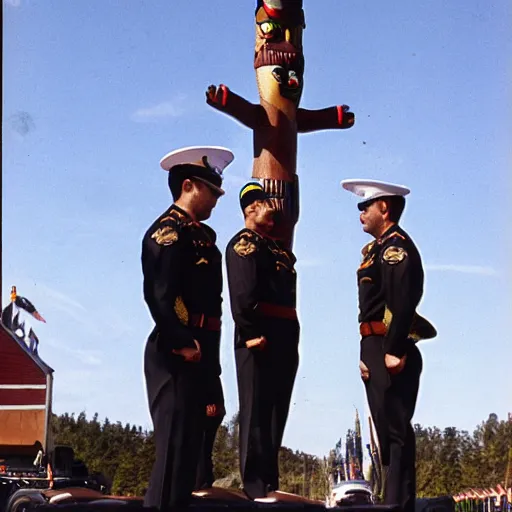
(277, 311)
(373, 328)
(210, 323)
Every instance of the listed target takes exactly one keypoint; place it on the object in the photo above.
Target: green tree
(448, 461)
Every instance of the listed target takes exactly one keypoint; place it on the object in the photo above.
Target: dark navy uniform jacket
(262, 287)
(390, 280)
(182, 269)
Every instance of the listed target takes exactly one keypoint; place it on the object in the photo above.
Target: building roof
(7, 337)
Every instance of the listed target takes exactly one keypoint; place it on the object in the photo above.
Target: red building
(25, 393)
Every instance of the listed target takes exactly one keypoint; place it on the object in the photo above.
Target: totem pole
(276, 120)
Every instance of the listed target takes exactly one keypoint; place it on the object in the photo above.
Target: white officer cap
(205, 163)
(370, 190)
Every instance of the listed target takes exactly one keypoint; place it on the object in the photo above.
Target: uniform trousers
(265, 384)
(214, 396)
(392, 401)
(176, 395)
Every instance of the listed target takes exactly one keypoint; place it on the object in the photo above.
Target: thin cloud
(13, 3)
(465, 269)
(72, 309)
(75, 379)
(61, 298)
(167, 109)
(89, 357)
(96, 322)
(68, 306)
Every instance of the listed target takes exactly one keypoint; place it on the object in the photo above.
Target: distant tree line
(124, 454)
(448, 461)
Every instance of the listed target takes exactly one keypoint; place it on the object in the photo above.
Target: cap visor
(364, 204)
(218, 191)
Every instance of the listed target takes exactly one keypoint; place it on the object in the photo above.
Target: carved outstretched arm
(324, 119)
(230, 103)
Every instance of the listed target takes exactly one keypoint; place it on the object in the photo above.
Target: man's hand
(257, 343)
(394, 364)
(365, 373)
(190, 355)
(211, 410)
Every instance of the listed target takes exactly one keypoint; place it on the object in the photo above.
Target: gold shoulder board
(392, 235)
(244, 247)
(165, 236)
(367, 248)
(394, 255)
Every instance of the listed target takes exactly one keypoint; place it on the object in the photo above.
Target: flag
(12, 319)
(18, 302)
(33, 341)
(25, 304)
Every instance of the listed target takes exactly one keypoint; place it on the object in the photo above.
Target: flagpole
(1, 173)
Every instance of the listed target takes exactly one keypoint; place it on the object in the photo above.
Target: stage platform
(215, 499)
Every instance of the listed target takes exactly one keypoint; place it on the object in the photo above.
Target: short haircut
(175, 181)
(396, 205)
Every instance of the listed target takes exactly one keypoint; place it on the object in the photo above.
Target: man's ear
(383, 207)
(187, 186)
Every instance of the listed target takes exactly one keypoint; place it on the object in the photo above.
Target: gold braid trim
(165, 236)
(181, 310)
(243, 247)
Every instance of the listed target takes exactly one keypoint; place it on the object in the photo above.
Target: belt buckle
(366, 329)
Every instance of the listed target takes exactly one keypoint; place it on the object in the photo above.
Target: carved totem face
(278, 57)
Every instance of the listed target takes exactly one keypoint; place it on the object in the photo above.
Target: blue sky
(95, 93)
